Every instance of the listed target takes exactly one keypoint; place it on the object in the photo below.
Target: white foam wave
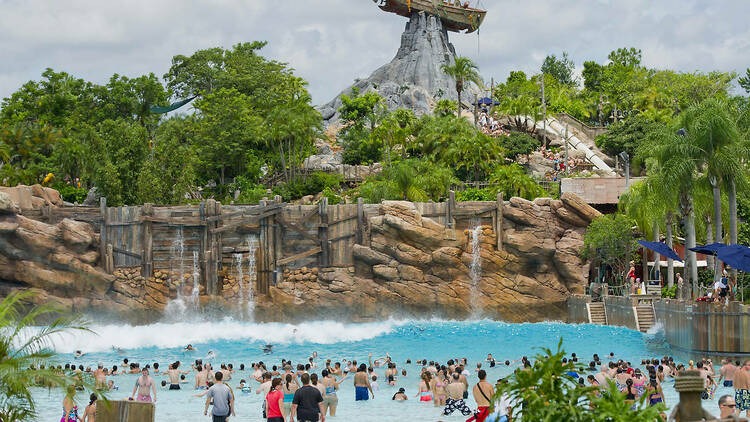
(170, 335)
(656, 329)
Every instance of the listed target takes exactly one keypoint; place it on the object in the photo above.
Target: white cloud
(332, 42)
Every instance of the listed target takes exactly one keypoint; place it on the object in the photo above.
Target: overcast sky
(332, 42)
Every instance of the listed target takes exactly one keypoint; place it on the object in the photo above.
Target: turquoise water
(241, 342)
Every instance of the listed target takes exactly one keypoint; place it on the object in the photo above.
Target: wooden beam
(345, 236)
(308, 216)
(314, 251)
(341, 220)
(465, 212)
(296, 228)
(261, 209)
(245, 221)
(126, 253)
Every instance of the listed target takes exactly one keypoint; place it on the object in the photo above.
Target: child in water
(244, 387)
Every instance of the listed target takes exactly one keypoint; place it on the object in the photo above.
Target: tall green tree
(561, 69)
(744, 81)
(609, 239)
(465, 72)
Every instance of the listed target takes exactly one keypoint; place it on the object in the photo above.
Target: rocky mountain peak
(413, 79)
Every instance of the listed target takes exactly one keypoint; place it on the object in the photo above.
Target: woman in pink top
(274, 402)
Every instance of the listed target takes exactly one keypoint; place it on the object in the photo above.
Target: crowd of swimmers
(309, 391)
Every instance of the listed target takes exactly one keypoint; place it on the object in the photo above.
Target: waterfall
(252, 246)
(476, 268)
(196, 281)
(178, 248)
(176, 308)
(239, 274)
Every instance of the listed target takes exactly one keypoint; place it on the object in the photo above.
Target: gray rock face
(413, 79)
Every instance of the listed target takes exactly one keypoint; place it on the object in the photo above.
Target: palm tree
(25, 354)
(465, 72)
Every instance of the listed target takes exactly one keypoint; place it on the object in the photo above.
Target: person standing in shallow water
(70, 408)
(482, 393)
(362, 384)
(144, 384)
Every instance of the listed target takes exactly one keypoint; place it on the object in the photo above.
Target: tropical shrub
(547, 391)
(26, 354)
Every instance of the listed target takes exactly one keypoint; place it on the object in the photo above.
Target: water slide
(574, 142)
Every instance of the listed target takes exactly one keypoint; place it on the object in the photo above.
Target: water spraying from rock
(196, 281)
(178, 248)
(475, 272)
(176, 308)
(239, 273)
(252, 247)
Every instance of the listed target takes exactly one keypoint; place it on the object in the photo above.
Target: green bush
(668, 293)
(474, 194)
(313, 184)
(360, 147)
(71, 193)
(519, 144)
(333, 197)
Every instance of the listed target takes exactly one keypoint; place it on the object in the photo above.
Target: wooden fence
(207, 238)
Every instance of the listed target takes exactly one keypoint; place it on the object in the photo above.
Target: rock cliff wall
(413, 79)
(416, 267)
(409, 266)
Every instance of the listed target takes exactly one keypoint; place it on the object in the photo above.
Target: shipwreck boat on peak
(457, 16)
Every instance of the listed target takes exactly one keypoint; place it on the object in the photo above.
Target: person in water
(362, 384)
(70, 408)
(482, 392)
(144, 384)
(455, 400)
(89, 415)
(400, 395)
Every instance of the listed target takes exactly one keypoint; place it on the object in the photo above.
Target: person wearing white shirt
(503, 407)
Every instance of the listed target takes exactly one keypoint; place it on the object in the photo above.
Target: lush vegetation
(251, 114)
(545, 391)
(610, 240)
(26, 355)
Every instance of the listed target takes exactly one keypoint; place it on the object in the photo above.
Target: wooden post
(451, 209)
(202, 242)
(219, 238)
(323, 233)
(147, 242)
(265, 244)
(277, 241)
(103, 232)
(360, 221)
(212, 268)
(499, 221)
(110, 259)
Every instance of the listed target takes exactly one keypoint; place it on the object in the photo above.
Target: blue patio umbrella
(736, 256)
(487, 101)
(661, 248)
(710, 249)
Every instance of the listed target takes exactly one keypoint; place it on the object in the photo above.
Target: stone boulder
(7, 205)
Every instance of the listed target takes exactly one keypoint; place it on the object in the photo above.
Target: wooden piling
(323, 233)
(499, 221)
(451, 209)
(110, 259)
(103, 232)
(147, 241)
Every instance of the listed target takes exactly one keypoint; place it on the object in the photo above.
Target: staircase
(645, 316)
(597, 313)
